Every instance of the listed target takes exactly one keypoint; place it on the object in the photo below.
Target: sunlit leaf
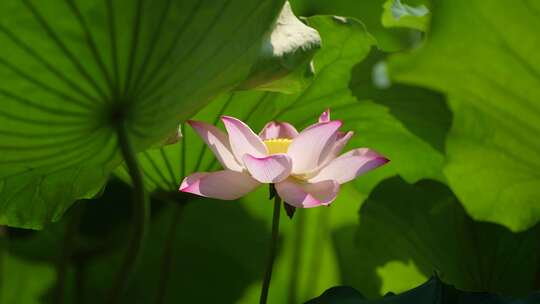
(285, 58)
(484, 56)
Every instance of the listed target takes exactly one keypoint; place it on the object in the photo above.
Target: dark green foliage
(433, 291)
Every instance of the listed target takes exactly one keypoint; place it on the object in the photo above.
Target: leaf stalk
(140, 217)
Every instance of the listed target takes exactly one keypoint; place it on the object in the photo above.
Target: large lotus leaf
(72, 71)
(431, 292)
(484, 56)
(425, 225)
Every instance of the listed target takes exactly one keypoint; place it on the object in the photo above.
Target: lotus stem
(272, 250)
(167, 259)
(140, 219)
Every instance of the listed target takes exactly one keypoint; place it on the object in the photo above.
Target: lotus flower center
(277, 145)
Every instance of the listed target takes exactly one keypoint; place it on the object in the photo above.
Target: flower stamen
(277, 145)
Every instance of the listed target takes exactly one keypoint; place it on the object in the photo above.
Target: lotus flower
(305, 168)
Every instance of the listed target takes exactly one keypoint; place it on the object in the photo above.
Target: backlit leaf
(72, 71)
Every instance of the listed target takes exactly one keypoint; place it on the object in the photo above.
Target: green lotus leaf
(285, 59)
(431, 292)
(424, 227)
(491, 75)
(73, 71)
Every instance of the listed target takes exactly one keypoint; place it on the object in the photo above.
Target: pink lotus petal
(218, 142)
(311, 147)
(350, 165)
(307, 195)
(242, 139)
(325, 116)
(268, 169)
(339, 144)
(225, 184)
(275, 129)
(342, 140)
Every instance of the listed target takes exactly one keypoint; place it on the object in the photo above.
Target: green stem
(273, 250)
(65, 260)
(140, 219)
(168, 253)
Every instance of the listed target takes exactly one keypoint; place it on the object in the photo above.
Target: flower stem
(140, 219)
(273, 250)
